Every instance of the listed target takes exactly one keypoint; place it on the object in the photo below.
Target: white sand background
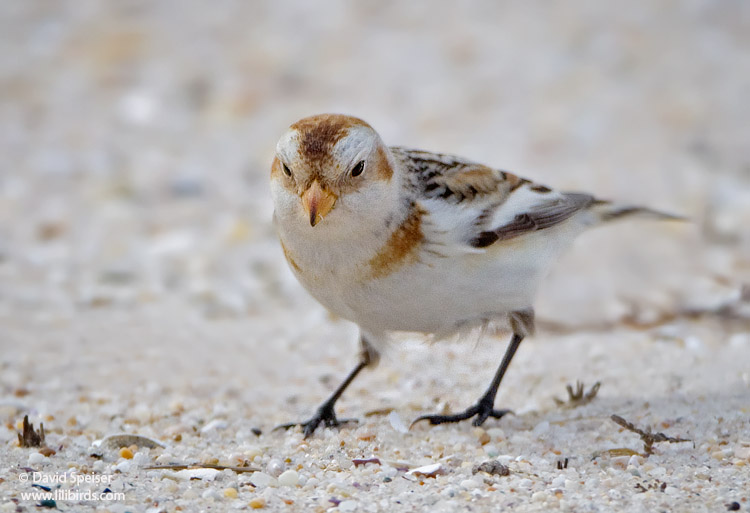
(142, 289)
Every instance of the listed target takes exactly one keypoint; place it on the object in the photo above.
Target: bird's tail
(607, 211)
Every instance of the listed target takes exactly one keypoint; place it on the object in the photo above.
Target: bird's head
(331, 173)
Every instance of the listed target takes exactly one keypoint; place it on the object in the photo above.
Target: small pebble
(427, 470)
(126, 453)
(214, 425)
(127, 440)
(396, 423)
(261, 479)
(124, 466)
(204, 474)
(348, 505)
(492, 467)
(558, 482)
(47, 451)
(230, 493)
(258, 503)
(289, 478)
(35, 458)
(210, 493)
(275, 467)
(742, 453)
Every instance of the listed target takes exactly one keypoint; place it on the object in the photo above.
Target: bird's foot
(325, 415)
(482, 411)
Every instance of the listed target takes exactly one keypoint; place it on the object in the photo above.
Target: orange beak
(317, 202)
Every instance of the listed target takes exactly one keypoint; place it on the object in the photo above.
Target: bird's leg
(522, 323)
(484, 408)
(325, 413)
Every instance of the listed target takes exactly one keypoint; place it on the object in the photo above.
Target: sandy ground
(142, 290)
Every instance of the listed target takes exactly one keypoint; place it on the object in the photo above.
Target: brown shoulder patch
(473, 180)
(516, 181)
(401, 248)
(318, 134)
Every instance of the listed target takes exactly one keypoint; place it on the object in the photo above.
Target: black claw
(325, 415)
(481, 410)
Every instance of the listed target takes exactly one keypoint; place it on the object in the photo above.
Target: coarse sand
(149, 322)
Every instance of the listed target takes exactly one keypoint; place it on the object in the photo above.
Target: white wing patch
(472, 206)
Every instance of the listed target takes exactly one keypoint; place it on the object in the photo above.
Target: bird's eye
(287, 171)
(357, 170)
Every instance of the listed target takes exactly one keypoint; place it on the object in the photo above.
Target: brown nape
(383, 168)
(318, 134)
(401, 247)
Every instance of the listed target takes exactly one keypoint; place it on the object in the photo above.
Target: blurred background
(142, 287)
(137, 136)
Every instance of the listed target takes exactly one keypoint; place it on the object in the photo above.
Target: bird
(403, 240)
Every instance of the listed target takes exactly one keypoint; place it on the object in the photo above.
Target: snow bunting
(395, 239)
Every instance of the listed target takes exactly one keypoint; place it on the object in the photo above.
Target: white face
(333, 177)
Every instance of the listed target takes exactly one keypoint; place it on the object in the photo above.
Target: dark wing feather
(543, 216)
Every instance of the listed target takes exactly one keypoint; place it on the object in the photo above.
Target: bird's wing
(479, 205)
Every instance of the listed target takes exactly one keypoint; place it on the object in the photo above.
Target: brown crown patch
(401, 248)
(318, 134)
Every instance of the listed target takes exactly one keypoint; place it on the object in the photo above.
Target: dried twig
(578, 397)
(364, 461)
(30, 437)
(649, 438)
(186, 466)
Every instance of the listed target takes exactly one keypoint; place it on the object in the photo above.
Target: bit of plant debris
(578, 397)
(492, 467)
(562, 464)
(238, 470)
(649, 438)
(379, 412)
(364, 461)
(30, 437)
